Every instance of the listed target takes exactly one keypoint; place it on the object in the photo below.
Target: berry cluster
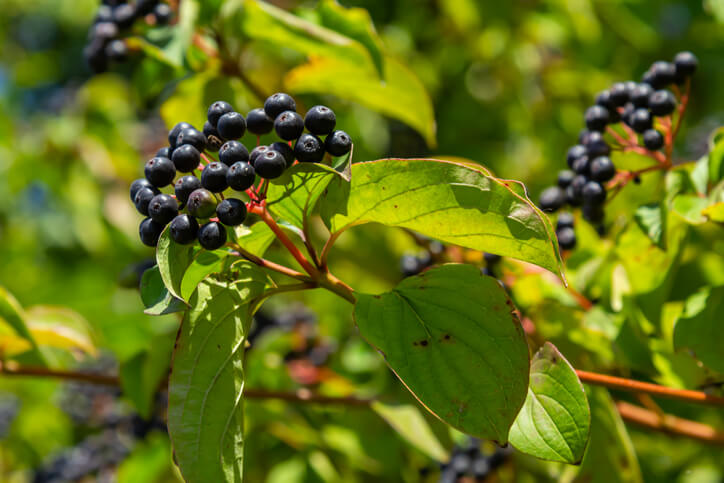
(112, 19)
(236, 169)
(634, 107)
(469, 460)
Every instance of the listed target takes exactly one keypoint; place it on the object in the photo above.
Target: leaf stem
(669, 424)
(264, 263)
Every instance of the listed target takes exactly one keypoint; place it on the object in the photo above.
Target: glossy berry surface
(138, 184)
(309, 149)
(653, 139)
(565, 177)
(602, 169)
(596, 145)
(278, 103)
(685, 64)
(640, 95)
(565, 220)
(162, 13)
(661, 74)
(619, 94)
(285, 150)
(185, 186)
(581, 165)
(162, 209)
(212, 235)
(150, 232)
(213, 177)
(143, 199)
(160, 171)
(231, 212)
(231, 125)
(641, 120)
(257, 122)
(164, 152)
(186, 158)
(566, 238)
(193, 137)
(338, 143)
(240, 176)
(551, 199)
(320, 120)
(184, 229)
(232, 152)
(289, 125)
(270, 165)
(201, 203)
(216, 110)
(596, 118)
(593, 193)
(117, 51)
(256, 152)
(575, 152)
(662, 103)
(175, 131)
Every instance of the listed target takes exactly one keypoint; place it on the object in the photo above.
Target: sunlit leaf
(155, 296)
(689, 207)
(255, 239)
(412, 427)
(698, 329)
(173, 260)
(204, 264)
(714, 212)
(61, 328)
(651, 218)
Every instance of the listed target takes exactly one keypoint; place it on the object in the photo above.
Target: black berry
(566, 238)
(186, 158)
(162, 209)
(653, 139)
(143, 199)
(491, 258)
(231, 126)
(278, 103)
(175, 131)
(285, 150)
(124, 15)
(144, 7)
(574, 193)
(185, 186)
(162, 12)
(309, 148)
(105, 32)
(581, 165)
(320, 120)
(240, 176)
(150, 232)
(604, 99)
(165, 152)
(565, 177)
(117, 51)
(640, 95)
(231, 212)
(257, 122)
(593, 193)
(338, 143)
(160, 171)
(232, 152)
(619, 94)
(662, 103)
(685, 64)
(597, 146)
(661, 74)
(593, 213)
(193, 137)
(270, 165)
(213, 138)
(256, 152)
(552, 199)
(565, 220)
(184, 229)
(640, 120)
(212, 235)
(410, 265)
(289, 125)
(201, 203)
(575, 152)
(216, 110)
(602, 169)
(596, 118)
(213, 177)
(138, 184)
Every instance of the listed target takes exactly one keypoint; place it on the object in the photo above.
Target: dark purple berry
(162, 209)
(593, 193)
(285, 150)
(596, 145)
(565, 220)
(270, 165)
(685, 64)
(596, 118)
(603, 99)
(184, 229)
(309, 148)
(566, 238)
(661, 74)
(552, 199)
(640, 120)
(575, 152)
(662, 103)
(160, 171)
(565, 177)
(231, 212)
(150, 232)
(186, 158)
(581, 165)
(212, 235)
(231, 126)
(143, 199)
(117, 51)
(619, 94)
(185, 186)
(138, 184)
(289, 125)
(256, 152)
(164, 152)
(338, 143)
(257, 122)
(320, 120)
(175, 131)
(213, 177)
(240, 176)
(202, 203)
(193, 137)
(278, 103)
(144, 7)
(216, 110)
(653, 139)
(640, 95)
(124, 15)
(602, 169)
(232, 152)
(593, 213)
(163, 13)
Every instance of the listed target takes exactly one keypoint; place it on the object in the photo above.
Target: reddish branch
(669, 424)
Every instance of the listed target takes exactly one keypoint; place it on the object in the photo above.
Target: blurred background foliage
(501, 83)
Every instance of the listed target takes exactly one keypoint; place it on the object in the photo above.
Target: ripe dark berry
(662, 103)
(338, 143)
(685, 64)
(256, 152)
(603, 99)
(491, 258)
(596, 118)
(285, 150)
(95, 55)
(640, 95)
(575, 152)
(117, 51)
(216, 110)
(240, 176)
(410, 265)
(162, 209)
(581, 165)
(164, 152)
(193, 137)
(213, 177)
(653, 139)
(628, 109)
(257, 122)
(124, 15)
(552, 199)
(232, 152)
(160, 171)
(175, 131)
(162, 12)
(143, 199)
(231, 126)
(602, 169)
(574, 193)
(593, 213)
(213, 138)
(661, 74)
(309, 148)
(270, 165)
(103, 14)
(278, 103)
(583, 136)
(565, 177)
(231, 212)
(150, 232)
(212, 235)
(201, 203)
(184, 229)
(640, 120)
(619, 94)
(320, 120)
(289, 125)
(105, 31)
(186, 158)
(565, 220)
(596, 145)
(566, 238)
(593, 193)
(185, 186)
(144, 7)
(138, 184)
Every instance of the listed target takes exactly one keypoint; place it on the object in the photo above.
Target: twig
(669, 424)
(13, 369)
(264, 263)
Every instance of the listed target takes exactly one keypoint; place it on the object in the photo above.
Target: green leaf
(412, 426)
(689, 207)
(716, 157)
(176, 48)
(205, 418)
(652, 218)
(714, 212)
(698, 329)
(142, 374)
(700, 175)
(173, 259)
(12, 314)
(205, 263)
(355, 23)
(255, 239)
(155, 296)
(60, 328)
(294, 194)
(401, 95)
(451, 202)
(555, 421)
(451, 336)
